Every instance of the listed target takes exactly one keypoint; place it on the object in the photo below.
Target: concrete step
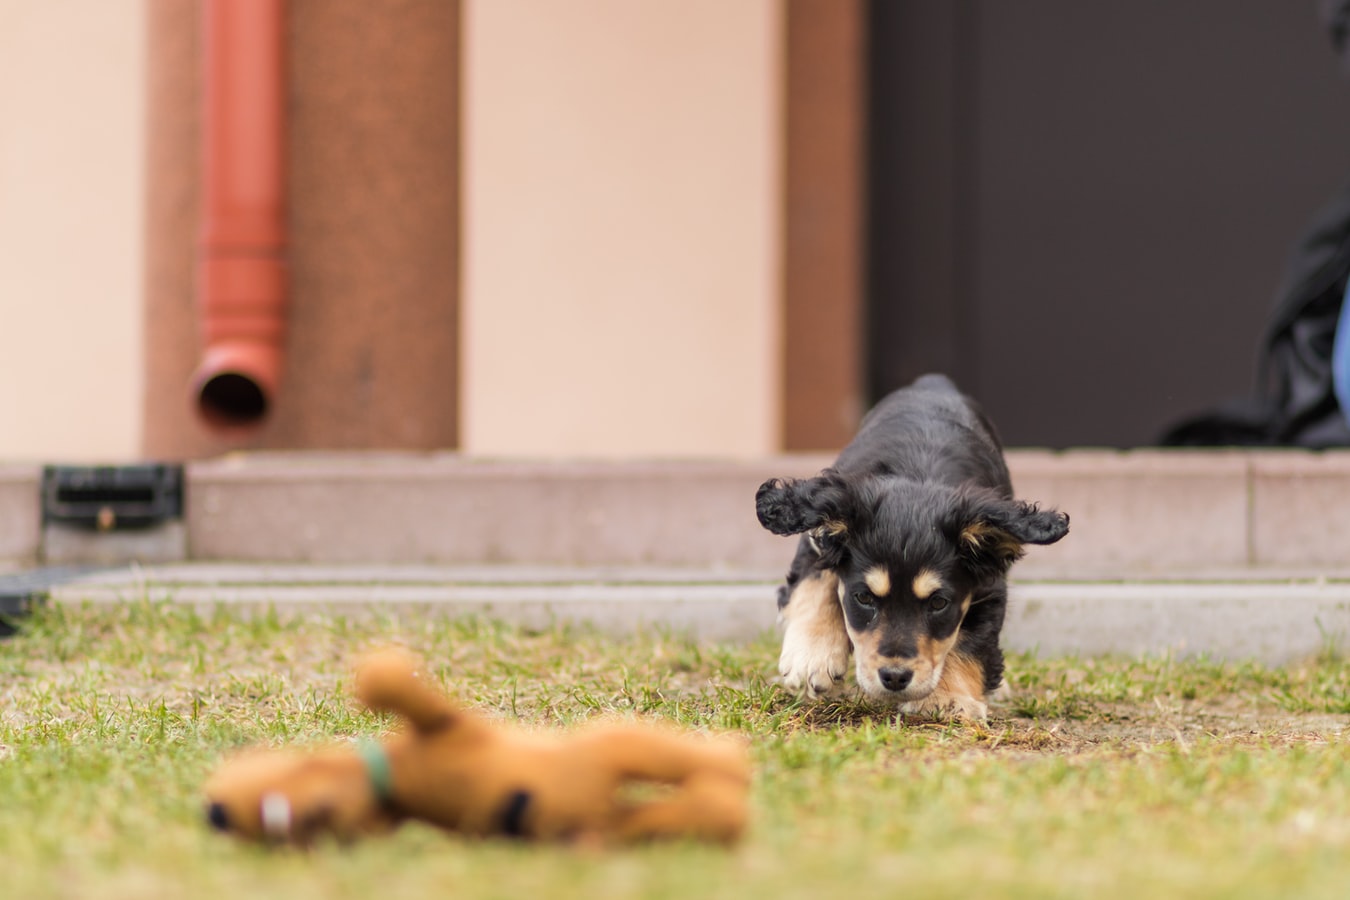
(1134, 512)
(1274, 616)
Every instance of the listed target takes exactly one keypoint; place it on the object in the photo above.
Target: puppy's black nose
(894, 678)
(215, 814)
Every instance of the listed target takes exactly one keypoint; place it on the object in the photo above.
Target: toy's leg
(640, 753)
(709, 781)
(708, 806)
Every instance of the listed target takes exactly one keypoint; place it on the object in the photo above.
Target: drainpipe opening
(232, 400)
(233, 388)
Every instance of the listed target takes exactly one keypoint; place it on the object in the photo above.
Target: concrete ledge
(1138, 511)
(1273, 621)
(717, 612)
(1135, 513)
(1300, 512)
(710, 605)
(20, 513)
(63, 544)
(444, 508)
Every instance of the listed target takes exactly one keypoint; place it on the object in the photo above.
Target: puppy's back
(928, 431)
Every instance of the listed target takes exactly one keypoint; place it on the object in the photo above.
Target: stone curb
(1274, 621)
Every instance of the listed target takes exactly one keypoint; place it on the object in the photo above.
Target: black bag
(1294, 404)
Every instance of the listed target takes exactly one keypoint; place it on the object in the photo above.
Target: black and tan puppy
(906, 543)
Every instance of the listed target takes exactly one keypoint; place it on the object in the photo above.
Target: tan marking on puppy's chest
(962, 676)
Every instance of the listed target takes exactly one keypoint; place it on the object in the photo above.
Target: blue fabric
(1340, 357)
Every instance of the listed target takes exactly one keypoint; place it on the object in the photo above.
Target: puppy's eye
(938, 602)
(864, 599)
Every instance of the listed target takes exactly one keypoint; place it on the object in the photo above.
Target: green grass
(1101, 777)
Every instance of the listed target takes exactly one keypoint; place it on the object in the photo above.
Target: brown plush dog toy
(458, 771)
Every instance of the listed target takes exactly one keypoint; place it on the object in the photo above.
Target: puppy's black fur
(906, 542)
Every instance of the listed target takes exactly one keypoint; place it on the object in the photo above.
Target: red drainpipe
(241, 260)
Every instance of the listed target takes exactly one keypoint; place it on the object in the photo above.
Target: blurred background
(676, 228)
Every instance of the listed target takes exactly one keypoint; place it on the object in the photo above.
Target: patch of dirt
(1098, 725)
(1137, 726)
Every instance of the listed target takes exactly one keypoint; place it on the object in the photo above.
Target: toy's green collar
(372, 753)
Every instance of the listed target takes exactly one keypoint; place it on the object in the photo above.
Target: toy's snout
(273, 823)
(216, 815)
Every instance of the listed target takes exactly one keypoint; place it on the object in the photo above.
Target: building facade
(670, 229)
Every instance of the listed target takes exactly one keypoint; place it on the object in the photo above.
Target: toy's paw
(813, 664)
(948, 707)
(274, 819)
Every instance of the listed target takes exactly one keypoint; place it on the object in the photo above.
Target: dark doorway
(1080, 210)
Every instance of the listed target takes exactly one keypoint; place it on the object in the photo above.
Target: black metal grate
(109, 498)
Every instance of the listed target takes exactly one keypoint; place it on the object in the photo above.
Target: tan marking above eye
(927, 583)
(878, 581)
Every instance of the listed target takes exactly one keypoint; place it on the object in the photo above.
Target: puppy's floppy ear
(791, 506)
(822, 506)
(992, 532)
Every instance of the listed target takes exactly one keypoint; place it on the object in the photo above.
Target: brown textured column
(373, 134)
(825, 211)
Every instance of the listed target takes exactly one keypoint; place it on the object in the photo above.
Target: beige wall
(70, 228)
(621, 227)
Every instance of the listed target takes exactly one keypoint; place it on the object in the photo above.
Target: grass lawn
(1103, 778)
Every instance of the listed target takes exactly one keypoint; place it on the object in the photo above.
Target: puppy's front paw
(813, 667)
(948, 707)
